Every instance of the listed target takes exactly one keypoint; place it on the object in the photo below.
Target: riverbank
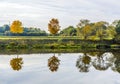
(54, 42)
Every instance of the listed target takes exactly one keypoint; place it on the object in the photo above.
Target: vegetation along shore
(85, 35)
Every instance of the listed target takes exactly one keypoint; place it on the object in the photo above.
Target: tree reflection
(53, 63)
(116, 66)
(100, 62)
(83, 63)
(16, 63)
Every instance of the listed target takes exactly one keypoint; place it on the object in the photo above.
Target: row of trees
(84, 29)
(97, 30)
(31, 31)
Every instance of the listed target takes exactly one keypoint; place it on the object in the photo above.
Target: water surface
(60, 68)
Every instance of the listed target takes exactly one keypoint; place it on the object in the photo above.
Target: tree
(16, 27)
(86, 31)
(84, 28)
(6, 27)
(69, 31)
(82, 23)
(100, 28)
(118, 27)
(53, 26)
(111, 32)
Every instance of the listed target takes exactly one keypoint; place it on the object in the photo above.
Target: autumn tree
(16, 27)
(53, 26)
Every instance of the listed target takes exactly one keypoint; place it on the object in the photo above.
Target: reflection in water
(99, 60)
(16, 63)
(116, 66)
(53, 63)
(83, 63)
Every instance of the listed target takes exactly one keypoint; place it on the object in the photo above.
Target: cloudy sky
(37, 13)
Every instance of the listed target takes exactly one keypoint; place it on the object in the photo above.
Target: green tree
(118, 27)
(116, 24)
(111, 32)
(6, 27)
(82, 23)
(100, 28)
(69, 31)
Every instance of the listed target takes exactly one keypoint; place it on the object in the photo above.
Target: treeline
(94, 31)
(5, 31)
(84, 30)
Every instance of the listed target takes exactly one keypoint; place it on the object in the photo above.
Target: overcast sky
(37, 13)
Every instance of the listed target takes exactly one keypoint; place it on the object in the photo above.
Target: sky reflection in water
(72, 68)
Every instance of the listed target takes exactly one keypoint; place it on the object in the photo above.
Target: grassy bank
(54, 42)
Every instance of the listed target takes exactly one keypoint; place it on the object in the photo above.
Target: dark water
(61, 68)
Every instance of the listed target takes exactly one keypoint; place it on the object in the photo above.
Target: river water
(60, 68)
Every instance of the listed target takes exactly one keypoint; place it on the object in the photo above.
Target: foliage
(53, 26)
(111, 32)
(33, 32)
(117, 26)
(82, 23)
(100, 28)
(16, 27)
(69, 31)
(85, 30)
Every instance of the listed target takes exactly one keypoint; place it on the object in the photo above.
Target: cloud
(38, 12)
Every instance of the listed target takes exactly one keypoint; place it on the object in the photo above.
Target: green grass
(38, 37)
(46, 37)
(67, 42)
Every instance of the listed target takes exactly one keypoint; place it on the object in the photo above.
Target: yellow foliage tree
(16, 27)
(53, 26)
